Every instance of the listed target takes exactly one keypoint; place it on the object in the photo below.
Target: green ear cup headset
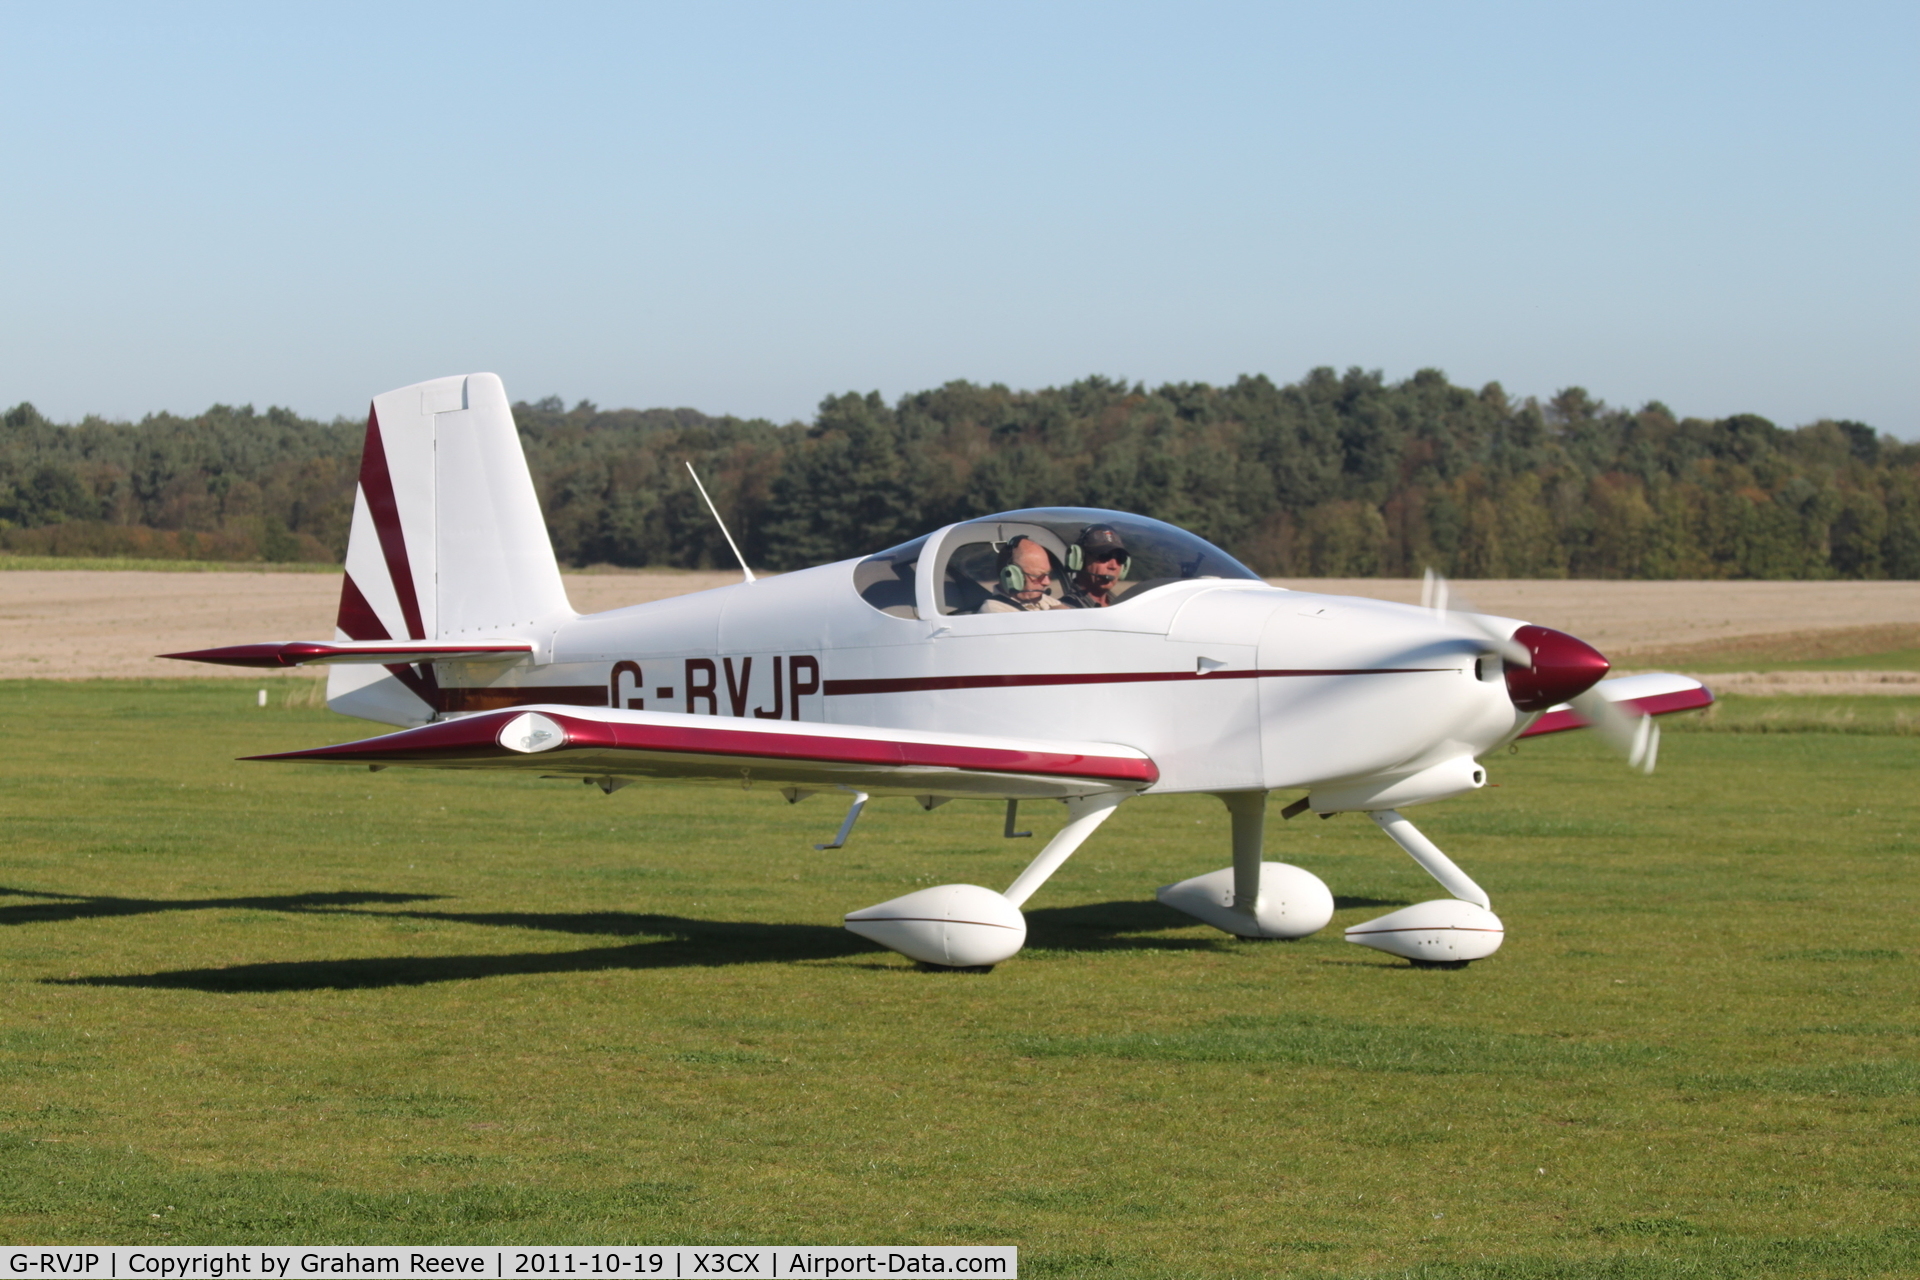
(1013, 578)
(1077, 554)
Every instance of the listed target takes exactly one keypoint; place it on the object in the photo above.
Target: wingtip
(238, 655)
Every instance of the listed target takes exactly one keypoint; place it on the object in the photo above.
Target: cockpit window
(885, 581)
(973, 556)
(968, 560)
(1155, 553)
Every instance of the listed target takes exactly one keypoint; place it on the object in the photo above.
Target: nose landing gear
(1447, 933)
(1257, 899)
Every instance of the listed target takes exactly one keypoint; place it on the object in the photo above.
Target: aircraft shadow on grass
(53, 908)
(669, 941)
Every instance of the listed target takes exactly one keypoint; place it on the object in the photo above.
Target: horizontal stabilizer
(564, 741)
(295, 653)
(1656, 693)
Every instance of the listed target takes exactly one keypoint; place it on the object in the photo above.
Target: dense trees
(1337, 474)
(229, 484)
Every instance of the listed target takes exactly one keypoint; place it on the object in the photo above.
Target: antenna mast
(722, 523)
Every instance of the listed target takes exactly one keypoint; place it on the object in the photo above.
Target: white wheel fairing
(957, 925)
(1444, 931)
(1294, 902)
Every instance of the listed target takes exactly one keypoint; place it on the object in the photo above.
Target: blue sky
(745, 207)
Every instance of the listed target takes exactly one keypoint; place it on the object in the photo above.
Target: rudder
(447, 539)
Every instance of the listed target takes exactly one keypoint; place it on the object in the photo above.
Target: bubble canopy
(964, 557)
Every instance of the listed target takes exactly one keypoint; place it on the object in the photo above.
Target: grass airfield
(274, 1003)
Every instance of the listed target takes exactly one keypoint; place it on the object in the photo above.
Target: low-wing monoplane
(934, 670)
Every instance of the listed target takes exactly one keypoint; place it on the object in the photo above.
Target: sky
(743, 208)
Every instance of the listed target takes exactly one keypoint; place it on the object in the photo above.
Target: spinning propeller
(1545, 668)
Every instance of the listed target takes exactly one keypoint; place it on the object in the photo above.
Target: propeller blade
(1436, 594)
(1634, 736)
(1508, 650)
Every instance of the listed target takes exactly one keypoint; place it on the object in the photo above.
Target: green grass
(1873, 715)
(283, 1003)
(1887, 660)
(124, 563)
(1882, 647)
(1881, 660)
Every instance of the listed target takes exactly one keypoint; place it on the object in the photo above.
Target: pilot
(1102, 562)
(1026, 570)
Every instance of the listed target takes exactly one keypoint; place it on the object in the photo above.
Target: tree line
(1333, 475)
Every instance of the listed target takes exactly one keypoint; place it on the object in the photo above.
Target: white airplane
(932, 670)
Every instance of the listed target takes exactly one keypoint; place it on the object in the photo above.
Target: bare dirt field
(1623, 618)
(73, 624)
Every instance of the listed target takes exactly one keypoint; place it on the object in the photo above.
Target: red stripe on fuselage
(487, 698)
(927, 684)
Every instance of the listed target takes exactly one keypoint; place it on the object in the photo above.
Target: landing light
(532, 732)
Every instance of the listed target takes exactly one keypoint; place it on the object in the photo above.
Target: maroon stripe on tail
(360, 622)
(376, 481)
(422, 682)
(357, 617)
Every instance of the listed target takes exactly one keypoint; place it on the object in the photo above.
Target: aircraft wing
(294, 653)
(1657, 693)
(614, 746)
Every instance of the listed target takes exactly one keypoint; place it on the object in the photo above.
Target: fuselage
(1226, 684)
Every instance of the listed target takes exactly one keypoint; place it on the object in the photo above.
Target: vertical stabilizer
(447, 540)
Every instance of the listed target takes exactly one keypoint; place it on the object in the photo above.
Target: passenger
(1103, 562)
(1026, 570)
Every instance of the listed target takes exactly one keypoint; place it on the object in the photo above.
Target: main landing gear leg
(1085, 814)
(1253, 898)
(1249, 811)
(1444, 934)
(963, 926)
